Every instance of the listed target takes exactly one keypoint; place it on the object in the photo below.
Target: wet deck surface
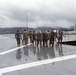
(32, 54)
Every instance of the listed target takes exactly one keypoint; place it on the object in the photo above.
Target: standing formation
(42, 38)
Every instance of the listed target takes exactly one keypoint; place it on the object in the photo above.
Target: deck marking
(14, 49)
(37, 63)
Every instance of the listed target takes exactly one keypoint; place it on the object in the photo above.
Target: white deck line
(37, 63)
(14, 49)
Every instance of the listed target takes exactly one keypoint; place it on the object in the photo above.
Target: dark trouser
(45, 41)
(34, 40)
(18, 41)
(39, 40)
(31, 40)
(52, 41)
(60, 40)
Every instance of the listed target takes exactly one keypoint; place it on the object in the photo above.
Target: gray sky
(53, 13)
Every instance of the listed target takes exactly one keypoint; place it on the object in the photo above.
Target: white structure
(75, 27)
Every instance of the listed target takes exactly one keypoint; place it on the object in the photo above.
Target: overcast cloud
(53, 13)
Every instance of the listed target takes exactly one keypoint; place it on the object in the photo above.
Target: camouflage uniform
(60, 36)
(48, 33)
(45, 39)
(55, 35)
(17, 36)
(25, 37)
(34, 37)
(39, 38)
(52, 34)
(31, 36)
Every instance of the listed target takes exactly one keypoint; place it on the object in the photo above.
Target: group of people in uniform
(42, 38)
(24, 38)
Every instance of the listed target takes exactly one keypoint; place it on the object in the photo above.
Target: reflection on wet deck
(44, 52)
(33, 53)
(39, 53)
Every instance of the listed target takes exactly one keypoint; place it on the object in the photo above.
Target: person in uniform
(31, 36)
(60, 33)
(61, 36)
(34, 37)
(48, 34)
(55, 36)
(25, 37)
(18, 36)
(52, 34)
(45, 39)
(39, 38)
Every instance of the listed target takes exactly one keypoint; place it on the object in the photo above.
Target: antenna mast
(26, 21)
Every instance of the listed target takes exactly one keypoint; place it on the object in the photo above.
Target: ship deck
(33, 60)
